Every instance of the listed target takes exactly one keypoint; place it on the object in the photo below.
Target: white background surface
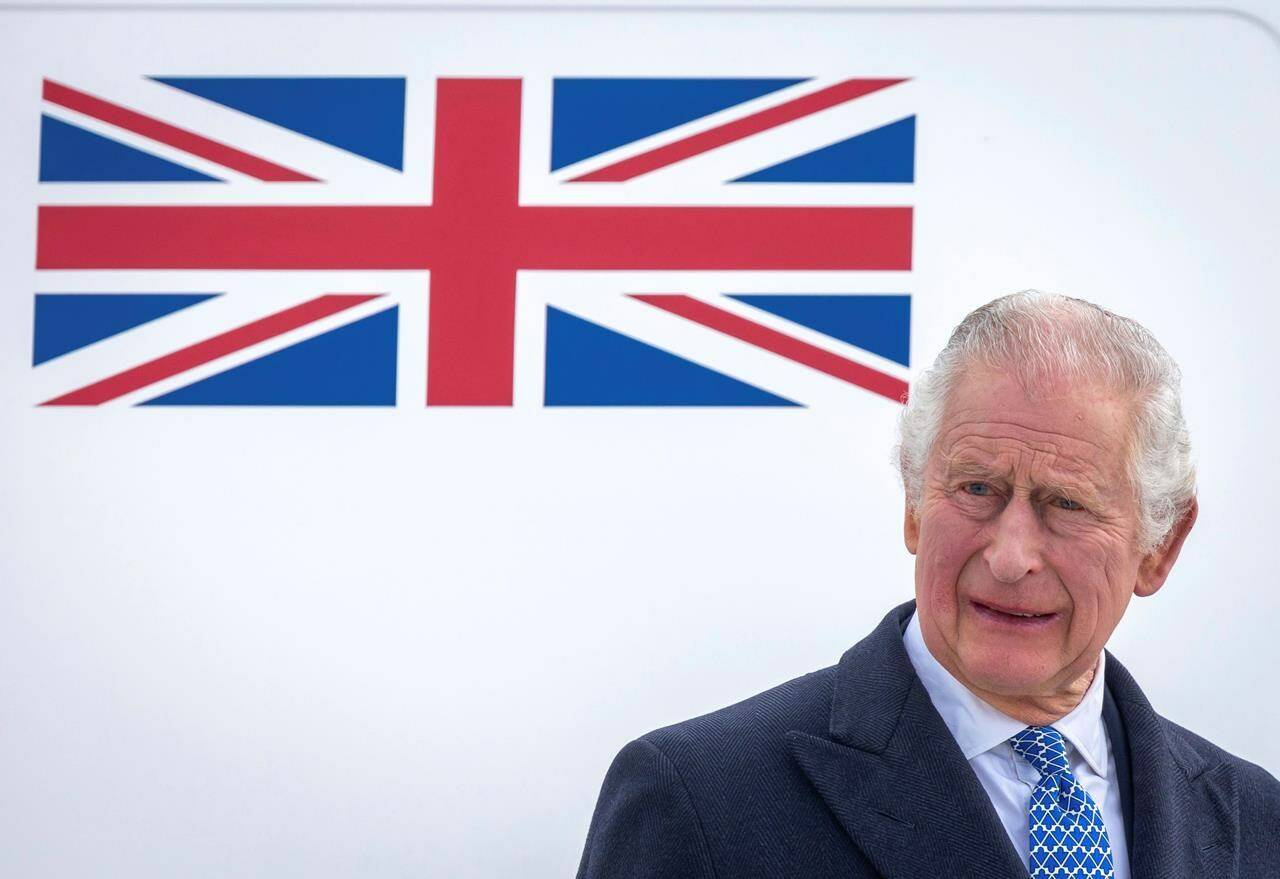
(409, 642)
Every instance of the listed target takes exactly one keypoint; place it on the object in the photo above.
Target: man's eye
(981, 489)
(1066, 503)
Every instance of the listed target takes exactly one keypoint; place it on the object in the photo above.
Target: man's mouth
(1012, 615)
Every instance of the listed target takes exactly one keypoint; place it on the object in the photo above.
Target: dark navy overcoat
(850, 772)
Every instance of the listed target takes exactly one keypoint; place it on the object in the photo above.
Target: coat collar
(1186, 809)
(895, 779)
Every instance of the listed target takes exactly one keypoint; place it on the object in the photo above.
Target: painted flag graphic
(381, 241)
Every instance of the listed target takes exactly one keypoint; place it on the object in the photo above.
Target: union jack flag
(360, 241)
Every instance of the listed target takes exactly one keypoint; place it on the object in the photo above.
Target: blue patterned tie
(1068, 837)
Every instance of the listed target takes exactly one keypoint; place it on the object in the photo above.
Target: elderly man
(981, 730)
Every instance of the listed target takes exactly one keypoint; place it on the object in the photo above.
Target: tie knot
(1043, 748)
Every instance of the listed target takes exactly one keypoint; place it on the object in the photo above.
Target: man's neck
(1034, 710)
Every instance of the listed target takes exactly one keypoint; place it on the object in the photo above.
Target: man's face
(1026, 537)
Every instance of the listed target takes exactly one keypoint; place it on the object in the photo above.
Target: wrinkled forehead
(1009, 453)
(1056, 434)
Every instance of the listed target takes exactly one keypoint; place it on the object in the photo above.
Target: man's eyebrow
(963, 467)
(1079, 492)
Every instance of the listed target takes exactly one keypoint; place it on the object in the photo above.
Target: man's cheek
(940, 567)
(946, 558)
(1088, 574)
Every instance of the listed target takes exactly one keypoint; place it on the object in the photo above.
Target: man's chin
(1002, 677)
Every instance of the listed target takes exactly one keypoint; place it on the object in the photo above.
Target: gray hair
(1040, 337)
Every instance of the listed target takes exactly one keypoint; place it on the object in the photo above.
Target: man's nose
(1015, 547)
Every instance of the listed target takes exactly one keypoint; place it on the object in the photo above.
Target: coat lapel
(894, 777)
(1186, 810)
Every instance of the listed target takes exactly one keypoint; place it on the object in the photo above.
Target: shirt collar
(978, 727)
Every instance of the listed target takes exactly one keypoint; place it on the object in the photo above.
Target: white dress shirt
(983, 735)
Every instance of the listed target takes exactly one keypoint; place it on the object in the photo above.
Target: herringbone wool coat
(850, 772)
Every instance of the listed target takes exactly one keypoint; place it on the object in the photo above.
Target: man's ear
(1157, 564)
(910, 529)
